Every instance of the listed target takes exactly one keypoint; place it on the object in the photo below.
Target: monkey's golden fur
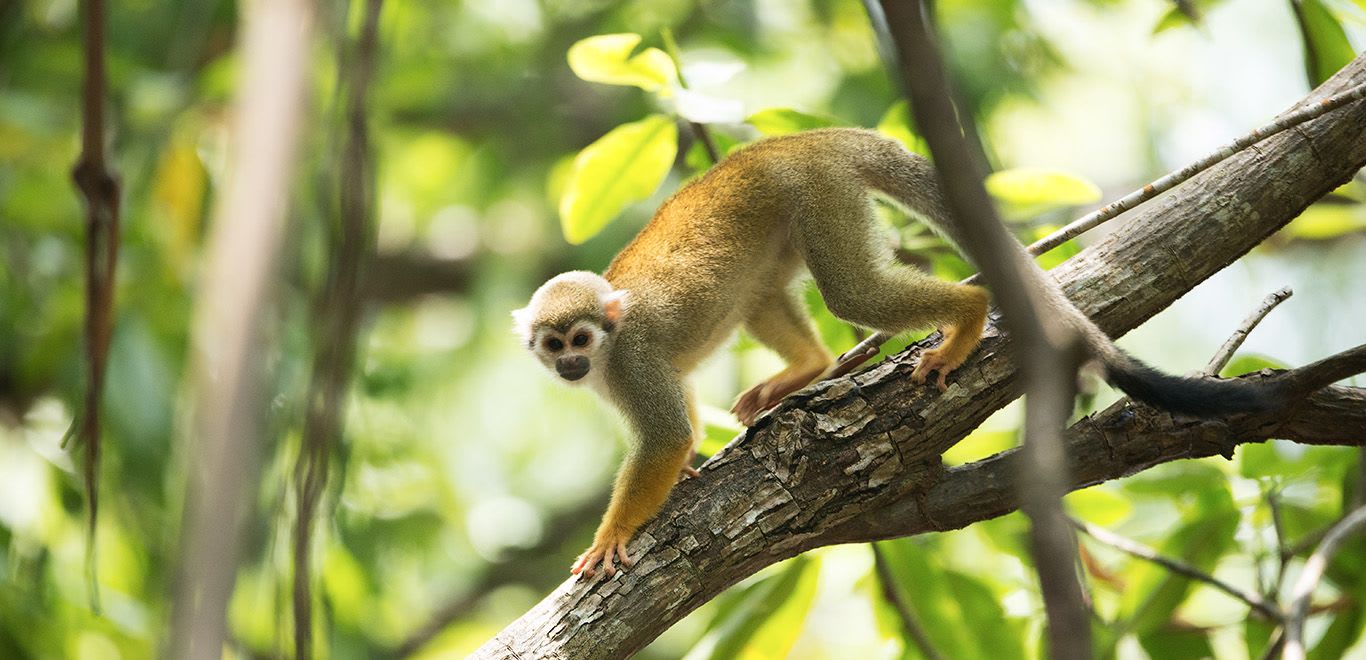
(722, 252)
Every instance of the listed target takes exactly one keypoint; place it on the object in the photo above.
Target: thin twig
(1133, 199)
(699, 130)
(1309, 580)
(1049, 350)
(1231, 345)
(339, 327)
(1273, 501)
(100, 191)
(1264, 607)
(909, 622)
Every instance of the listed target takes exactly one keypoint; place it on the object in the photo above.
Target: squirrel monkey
(722, 251)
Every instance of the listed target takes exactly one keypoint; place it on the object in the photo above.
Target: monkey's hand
(607, 546)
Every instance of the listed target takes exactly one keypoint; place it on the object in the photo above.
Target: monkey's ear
(521, 322)
(614, 305)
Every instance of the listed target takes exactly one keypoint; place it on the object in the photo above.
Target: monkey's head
(570, 322)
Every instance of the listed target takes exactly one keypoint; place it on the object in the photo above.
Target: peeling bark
(857, 458)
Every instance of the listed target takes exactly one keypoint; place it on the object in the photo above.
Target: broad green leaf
(624, 166)
(1174, 18)
(979, 445)
(719, 428)
(766, 619)
(1249, 363)
(1326, 48)
(781, 121)
(954, 608)
(1154, 593)
(1172, 643)
(698, 160)
(1027, 191)
(1324, 221)
(896, 124)
(1347, 627)
(1101, 506)
(837, 335)
(607, 58)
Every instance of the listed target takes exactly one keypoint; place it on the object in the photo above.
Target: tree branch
(229, 350)
(1049, 351)
(857, 458)
(100, 190)
(338, 325)
(1309, 579)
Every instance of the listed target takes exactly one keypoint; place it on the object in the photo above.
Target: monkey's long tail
(910, 180)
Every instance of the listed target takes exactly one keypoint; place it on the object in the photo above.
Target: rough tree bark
(857, 458)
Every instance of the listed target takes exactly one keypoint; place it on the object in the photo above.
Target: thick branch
(822, 467)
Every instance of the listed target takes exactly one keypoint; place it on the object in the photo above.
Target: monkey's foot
(603, 551)
(767, 394)
(935, 360)
(688, 471)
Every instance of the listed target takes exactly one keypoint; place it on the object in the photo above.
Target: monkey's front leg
(641, 488)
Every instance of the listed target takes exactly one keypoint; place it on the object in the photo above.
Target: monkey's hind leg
(780, 323)
(863, 284)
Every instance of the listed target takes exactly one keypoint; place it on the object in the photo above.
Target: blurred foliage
(504, 132)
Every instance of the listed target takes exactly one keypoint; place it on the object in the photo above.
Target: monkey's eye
(554, 344)
(581, 339)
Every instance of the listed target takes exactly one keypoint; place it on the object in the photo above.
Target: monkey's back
(723, 242)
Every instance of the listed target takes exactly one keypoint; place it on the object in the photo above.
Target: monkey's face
(571, 354)
(569, 324)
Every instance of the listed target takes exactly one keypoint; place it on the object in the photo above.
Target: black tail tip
(1197, 397)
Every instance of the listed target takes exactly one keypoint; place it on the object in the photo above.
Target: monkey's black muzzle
(572, 368)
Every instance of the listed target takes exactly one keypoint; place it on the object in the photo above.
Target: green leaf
(980, 444)
(1324, 221)
(781, 121)
(1154, 593)
(624, 166)
(1326, 48)
(1177, 644)
(1101, 506)
(1174, 18)
(1028, 191)
(766, 620)
(955, 609)
(606, 58)
(896, 124)
(1249, 363)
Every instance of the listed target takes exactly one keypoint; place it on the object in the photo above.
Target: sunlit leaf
(781, 121)
(1028, 191)
(1177, 644)
(1101, 506)
(607, 58)
(1324, 221)
(765, 622)
(1154, 593)
(1246, 363)
(980, 444)
(896, 124)
(624, 166)
(698, 160)
(1174, 18)
(1326, 48)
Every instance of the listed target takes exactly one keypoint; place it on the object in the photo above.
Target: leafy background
(521, 138)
